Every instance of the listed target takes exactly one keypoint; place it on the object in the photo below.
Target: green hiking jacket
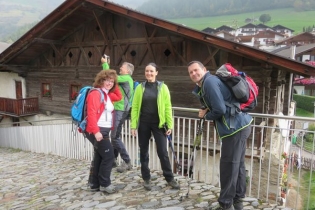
(163, 102)
(126, 88)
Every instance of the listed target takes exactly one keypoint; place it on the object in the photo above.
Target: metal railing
(272, 137)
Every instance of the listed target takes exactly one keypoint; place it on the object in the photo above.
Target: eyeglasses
(108, 81)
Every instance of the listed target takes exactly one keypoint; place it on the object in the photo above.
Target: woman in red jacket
(99, 123)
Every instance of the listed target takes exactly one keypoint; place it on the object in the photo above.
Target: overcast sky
(129, 3)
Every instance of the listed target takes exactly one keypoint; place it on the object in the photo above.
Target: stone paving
(38, 181)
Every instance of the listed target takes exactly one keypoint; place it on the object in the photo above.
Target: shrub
(304, 102)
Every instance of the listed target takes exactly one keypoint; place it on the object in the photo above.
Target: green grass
(303, 113)
(285, 17)
(305, 184)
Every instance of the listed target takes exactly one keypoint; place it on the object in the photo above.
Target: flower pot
(283, 194)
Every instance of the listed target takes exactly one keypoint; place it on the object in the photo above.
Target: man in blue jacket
(232, 130)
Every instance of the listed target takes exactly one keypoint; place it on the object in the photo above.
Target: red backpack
(242, 86)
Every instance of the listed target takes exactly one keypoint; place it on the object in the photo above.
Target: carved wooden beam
(122, 55)
(62, 58)
(174, 51)
(101, 28)
(148, 44)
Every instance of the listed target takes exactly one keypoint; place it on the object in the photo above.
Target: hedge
(304, 102)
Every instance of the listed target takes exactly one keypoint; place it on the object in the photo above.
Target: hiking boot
(238, 205)
(219, 207)
(109, 189)
(124, 166)
(147, 184)
(91, 188)
(174, 184)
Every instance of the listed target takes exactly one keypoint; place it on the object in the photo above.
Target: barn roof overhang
(70, 15)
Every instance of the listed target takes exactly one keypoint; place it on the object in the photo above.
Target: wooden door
(18, 89)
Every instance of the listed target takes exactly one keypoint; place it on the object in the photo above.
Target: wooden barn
(62, 53)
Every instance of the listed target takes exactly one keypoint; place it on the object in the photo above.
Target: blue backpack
(78, 109)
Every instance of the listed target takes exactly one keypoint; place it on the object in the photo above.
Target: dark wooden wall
(76, 60)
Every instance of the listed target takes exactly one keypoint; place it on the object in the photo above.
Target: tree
(264, 18)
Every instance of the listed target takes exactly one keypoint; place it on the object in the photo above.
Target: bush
(304, 102)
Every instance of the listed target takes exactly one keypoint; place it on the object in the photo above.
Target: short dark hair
(152, 64)
(193, 62)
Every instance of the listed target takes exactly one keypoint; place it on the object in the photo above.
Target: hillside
(287, 17)
(18, 16)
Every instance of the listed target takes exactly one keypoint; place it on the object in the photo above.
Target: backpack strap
(235, 109)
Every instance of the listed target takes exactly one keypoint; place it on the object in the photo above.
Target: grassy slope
(285, 17)
(303, 113)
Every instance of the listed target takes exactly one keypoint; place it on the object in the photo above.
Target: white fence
(264, 161)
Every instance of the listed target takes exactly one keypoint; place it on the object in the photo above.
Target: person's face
(196, 72)
(123, 69)
(108, 83)
(150, 73)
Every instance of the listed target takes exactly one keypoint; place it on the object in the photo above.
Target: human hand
(168, 132)
(104, 60)
(133, 132)
(202, 113)
(98, 136)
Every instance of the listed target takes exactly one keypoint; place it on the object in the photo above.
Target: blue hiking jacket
(214, 94)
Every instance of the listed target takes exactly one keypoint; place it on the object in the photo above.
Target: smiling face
(108, 83)
(196, 72)
(150, 73)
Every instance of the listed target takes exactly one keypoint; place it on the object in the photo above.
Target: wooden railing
(19, 107)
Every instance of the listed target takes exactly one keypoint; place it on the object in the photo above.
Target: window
(74, 91)
(46, 90)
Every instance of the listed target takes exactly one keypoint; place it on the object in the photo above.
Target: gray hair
(130, 67)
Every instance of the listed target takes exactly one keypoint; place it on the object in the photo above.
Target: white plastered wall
(7, 85)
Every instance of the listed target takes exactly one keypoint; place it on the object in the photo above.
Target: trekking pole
(196, 146)
(169, 138)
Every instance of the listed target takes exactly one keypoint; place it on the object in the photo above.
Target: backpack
(242, 86)
(135, 84)
(78, 109)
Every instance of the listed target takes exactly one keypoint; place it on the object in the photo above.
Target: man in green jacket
(122, 108)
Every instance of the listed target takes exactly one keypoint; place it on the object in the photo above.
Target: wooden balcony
(19, 107)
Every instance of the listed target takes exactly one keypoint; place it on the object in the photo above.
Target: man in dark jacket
(232, 130)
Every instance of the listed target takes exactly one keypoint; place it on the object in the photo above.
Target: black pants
(144, 133)
(119, 147)
(102, 162)
(232, 168)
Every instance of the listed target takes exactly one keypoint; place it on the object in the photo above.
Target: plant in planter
(284, 179)
(74, 95)
(46, 93)
(283, 192)
(284, 155)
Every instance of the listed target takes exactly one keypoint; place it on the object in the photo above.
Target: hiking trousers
(102, 162)
(232, 168)
(120, 118)
(144, 136)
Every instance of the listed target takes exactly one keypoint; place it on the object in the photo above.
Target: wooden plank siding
(65, 49)
(76, 60)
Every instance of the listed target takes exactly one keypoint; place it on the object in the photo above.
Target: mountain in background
(173, 9)
(18, 16)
